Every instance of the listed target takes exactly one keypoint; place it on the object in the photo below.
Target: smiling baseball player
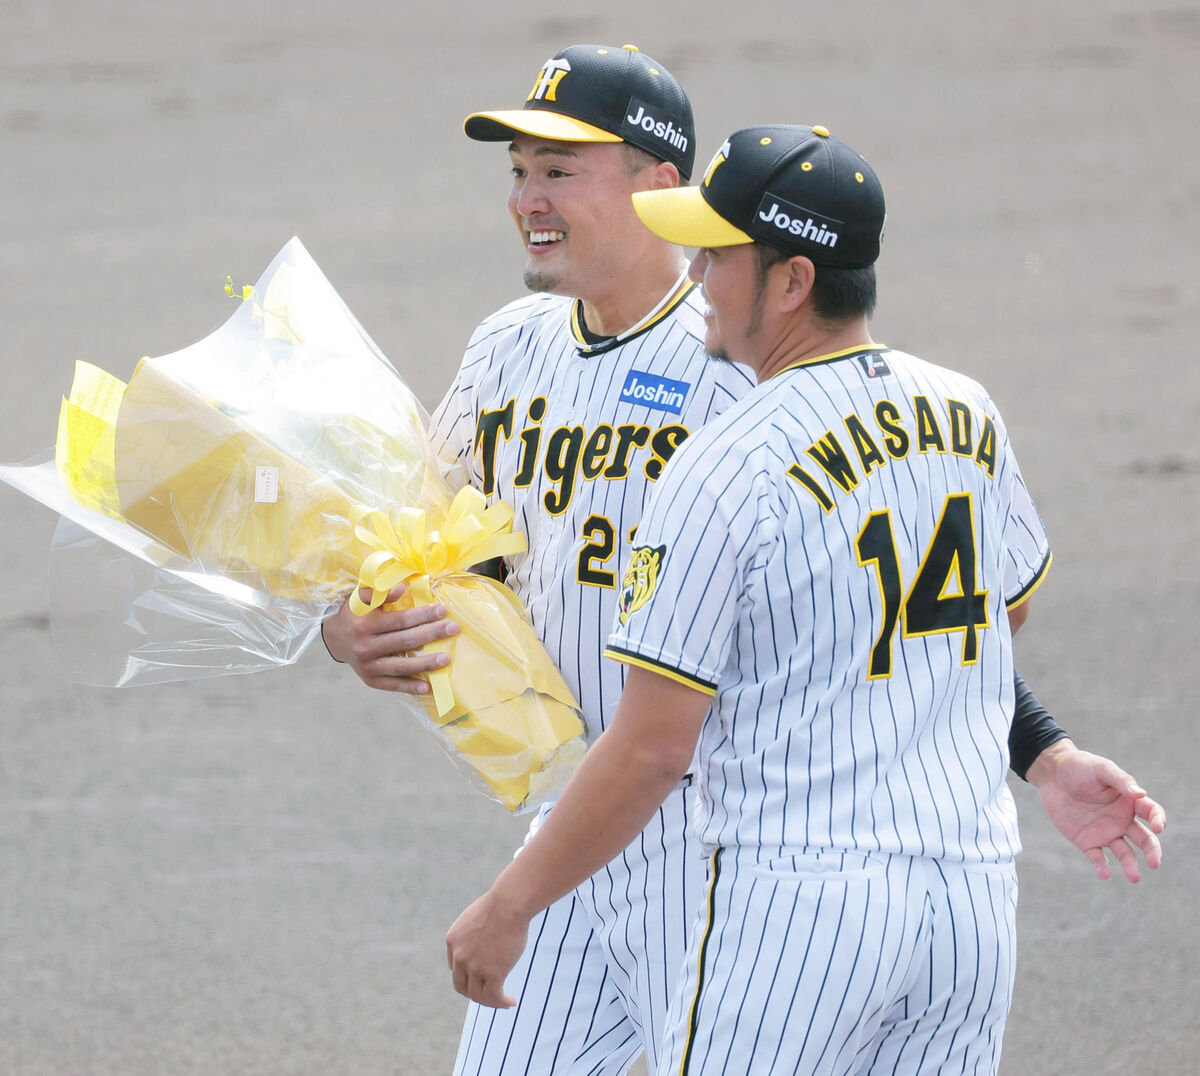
(567, 405)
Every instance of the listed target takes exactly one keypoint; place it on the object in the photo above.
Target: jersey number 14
(942, 598)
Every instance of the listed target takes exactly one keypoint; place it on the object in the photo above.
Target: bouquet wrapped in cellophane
(255, 480)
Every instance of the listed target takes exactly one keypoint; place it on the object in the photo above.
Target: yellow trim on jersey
(670, 301)
(1036, 582)
(860, 350)
(577, 323)
(626, 658)
(700, 962)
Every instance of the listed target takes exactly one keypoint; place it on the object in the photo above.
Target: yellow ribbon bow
(406, 552)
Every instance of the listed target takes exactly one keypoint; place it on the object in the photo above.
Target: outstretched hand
(1097, 806)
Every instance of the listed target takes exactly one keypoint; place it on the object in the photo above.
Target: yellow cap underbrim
(681, 215)
(501, 126)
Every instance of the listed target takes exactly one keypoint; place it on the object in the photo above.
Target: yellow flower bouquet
(265, 474)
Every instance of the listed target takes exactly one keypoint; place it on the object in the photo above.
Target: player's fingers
(401, 685)
(481, 987)
(464, 982)
(1099, 863)
(404, 672)
(1127, 858)
(387, 621)
(371, 644)
(1150, 845)
(413, 638)
(1151, 812)
(488, 991)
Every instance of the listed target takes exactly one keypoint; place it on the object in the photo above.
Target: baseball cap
(599, 93)
(797, 189)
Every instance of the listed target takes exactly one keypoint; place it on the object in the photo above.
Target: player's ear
(798, 286)
(662, 176)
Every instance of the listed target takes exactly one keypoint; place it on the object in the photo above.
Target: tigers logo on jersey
(641, 577)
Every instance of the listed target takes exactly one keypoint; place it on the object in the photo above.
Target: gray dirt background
(253, 875)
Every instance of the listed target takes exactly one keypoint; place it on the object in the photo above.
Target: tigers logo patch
(641, 577)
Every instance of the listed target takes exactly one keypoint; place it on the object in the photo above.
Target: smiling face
(571, 204)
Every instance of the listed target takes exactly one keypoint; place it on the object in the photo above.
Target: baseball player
(820, 595)
(567, 406)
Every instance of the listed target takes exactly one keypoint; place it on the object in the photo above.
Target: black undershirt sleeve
(1033, 729)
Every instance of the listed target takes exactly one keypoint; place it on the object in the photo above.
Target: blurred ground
(254, 875)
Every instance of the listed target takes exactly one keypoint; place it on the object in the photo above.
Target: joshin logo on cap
(798, 221)
(641, 116)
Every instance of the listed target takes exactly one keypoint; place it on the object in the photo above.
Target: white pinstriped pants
(835, 963)
(599, 969)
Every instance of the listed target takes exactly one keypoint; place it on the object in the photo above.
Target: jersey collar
(587, 344)
(833, 356)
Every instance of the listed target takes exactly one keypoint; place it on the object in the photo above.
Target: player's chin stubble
(539, 281)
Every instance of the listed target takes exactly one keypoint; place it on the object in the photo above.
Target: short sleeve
(678, 605)
(1026, 548)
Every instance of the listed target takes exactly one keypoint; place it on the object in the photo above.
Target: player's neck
(617, 305)
(807, 339)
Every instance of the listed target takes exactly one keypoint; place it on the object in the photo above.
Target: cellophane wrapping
(217, 506)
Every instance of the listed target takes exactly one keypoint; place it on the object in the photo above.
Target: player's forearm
(624, 777)
(1033, 729)
(607, 803)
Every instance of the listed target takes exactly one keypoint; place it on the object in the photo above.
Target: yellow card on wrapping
(84, 450)
(222, 496)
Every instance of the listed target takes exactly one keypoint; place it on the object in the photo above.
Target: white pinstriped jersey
(572, 441)
(573, 436)
(831, 559)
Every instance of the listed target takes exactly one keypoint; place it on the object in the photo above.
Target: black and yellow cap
(797, 189)
(600, 93)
